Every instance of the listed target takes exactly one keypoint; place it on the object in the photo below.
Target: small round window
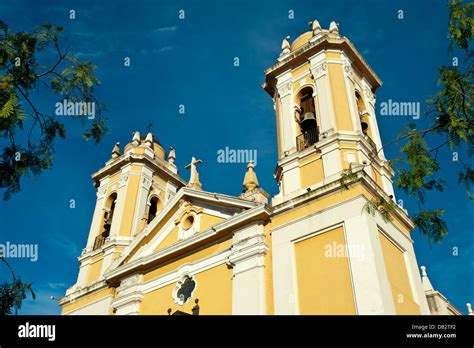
(188, 222)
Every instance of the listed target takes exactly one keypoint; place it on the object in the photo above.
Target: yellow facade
(323, 276)
(398, 277)
(311, 170)
(246, 254)
(95, 268)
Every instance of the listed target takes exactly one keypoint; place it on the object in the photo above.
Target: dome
(158, 149)
(301, 40)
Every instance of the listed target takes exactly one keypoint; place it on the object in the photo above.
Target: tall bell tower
(331, 253)
(324, 97)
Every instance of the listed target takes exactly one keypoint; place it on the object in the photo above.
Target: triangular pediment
(186, 215)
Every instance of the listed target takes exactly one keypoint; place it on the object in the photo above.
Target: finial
(285, 46)
(469, 309)
(194, 182)
(250, 180)
(196, 307)
(136, 139)
(427, 287)
(333, 28)
(116, 150)
(316, 27)
(172, 155)
(149, 140)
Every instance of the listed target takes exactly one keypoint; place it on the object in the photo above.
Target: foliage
(431, 224)
(461, 23)
(12, 294)
(28, 133)
(383, 207)
(451, 126)
(347, 176)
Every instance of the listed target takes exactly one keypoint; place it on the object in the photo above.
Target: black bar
(221, 330)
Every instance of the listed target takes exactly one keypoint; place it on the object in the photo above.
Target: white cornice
(335, 185)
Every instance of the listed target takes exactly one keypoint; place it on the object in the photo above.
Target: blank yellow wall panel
(398, 277)
(324, 283)
(312, 173)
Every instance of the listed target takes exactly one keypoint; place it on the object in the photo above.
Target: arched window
(306, 118)
(109, 212)
(363, 116)
(107, 221)
(307, 101)
(155, 207)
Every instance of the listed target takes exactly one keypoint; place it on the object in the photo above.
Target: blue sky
(190, 62)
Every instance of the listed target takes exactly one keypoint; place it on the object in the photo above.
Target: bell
(308, 121)
(364, 123)
(107, 224)
(365, 126)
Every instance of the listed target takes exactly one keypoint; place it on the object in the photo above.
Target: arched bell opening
(109, 209)
(154, 208)
(306, 118)
(363, 114)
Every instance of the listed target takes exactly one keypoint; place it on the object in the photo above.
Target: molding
(190, 268)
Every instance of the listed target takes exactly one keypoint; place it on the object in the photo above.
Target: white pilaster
(318, 66)
(370, 284)
(331, 157)
(247, 260)
(291, 177)
(286, 116)
(98, 217)
(129, 296)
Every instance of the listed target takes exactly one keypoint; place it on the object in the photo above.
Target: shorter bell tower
(132, 189)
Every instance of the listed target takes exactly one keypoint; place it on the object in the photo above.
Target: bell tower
(132, 189)
(344, 257)
(324, 97)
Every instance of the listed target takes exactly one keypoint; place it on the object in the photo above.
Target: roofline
(309, 49)
(182, 193)
(116, 164)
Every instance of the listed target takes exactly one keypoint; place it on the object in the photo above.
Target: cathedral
(160, 244)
